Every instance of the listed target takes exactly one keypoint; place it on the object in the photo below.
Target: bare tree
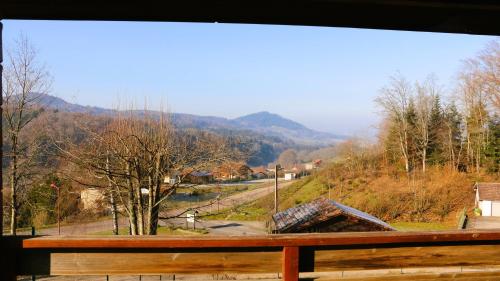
(487, 69)
(425, 95)
(135, 152)
(25, 80)
(288, 158)
(394, 101)
(473, 99)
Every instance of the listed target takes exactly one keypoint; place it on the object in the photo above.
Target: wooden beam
(458, 276)
(282, 240)
(290, 264)
(144, 263)
(255, 254)
(459, 16)
(406, 257)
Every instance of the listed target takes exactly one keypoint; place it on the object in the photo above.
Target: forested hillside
(432, 147)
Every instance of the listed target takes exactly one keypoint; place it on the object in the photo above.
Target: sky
(325, 78)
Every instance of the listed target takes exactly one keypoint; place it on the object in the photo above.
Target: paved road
(214, 227)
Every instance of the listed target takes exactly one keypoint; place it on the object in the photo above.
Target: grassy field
(422, 226)
(198, 192)
(306, 190)
(261, 209)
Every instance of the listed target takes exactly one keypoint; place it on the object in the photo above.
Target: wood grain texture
(290, 264)
(459, 276)
(255, 254)
(160, 263)
(306, 239)
(404, 257)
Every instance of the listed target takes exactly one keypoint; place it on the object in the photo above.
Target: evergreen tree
(411, 117)
(436, 128)
(452, 136)
(492, 150)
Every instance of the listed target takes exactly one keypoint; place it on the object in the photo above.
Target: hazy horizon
(323, 78)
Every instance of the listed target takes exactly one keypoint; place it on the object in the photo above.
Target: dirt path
(215, 227)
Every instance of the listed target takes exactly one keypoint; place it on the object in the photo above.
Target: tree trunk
(13, 190)
(154, 196)
(131, 202)
(424, 158)
(151, 202)
(112, 201)
(139, 198)
(140, 210)
(114, 212)
(404, 150)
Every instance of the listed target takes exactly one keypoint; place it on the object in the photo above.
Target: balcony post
(290, 263)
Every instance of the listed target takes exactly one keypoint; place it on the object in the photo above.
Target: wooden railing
(289, 254)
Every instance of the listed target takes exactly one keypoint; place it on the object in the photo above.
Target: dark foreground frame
(459, 16)
(290, 254)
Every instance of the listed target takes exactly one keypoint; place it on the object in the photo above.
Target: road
(214, 227)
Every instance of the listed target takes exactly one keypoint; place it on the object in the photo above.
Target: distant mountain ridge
(264, 122)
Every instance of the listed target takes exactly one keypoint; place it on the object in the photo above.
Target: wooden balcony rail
(289, 254)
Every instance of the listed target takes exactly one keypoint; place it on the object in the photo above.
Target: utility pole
(276, 168)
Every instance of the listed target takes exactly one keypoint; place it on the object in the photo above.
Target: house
(233, 171)
(200, 177)
(260, 172)
(244, 172)
(488, 198)
(309, 166)
(313, 165)
(290, 176)
(322, 215)
(172, 178)
(92, 198)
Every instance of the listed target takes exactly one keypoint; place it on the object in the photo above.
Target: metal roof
(318, 211)
(362, 215)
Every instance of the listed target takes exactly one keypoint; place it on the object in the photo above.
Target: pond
(193, 197)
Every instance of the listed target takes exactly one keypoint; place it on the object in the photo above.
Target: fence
(289, 254)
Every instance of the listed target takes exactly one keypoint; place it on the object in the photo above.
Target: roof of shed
(488, 191)
(201, 174)
(317, 211)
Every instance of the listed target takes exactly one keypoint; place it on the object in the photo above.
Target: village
(250, 140)
(206, 194)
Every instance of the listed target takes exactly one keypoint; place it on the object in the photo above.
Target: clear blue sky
(325, 78)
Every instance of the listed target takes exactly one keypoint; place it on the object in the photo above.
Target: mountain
(265, 123)
(275, 125)
(56, 103)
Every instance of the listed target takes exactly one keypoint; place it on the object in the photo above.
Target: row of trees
(420, 129)
(127, 156)
(132, 155)
(24, 81)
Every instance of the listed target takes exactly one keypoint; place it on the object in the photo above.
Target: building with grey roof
(322, 215)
